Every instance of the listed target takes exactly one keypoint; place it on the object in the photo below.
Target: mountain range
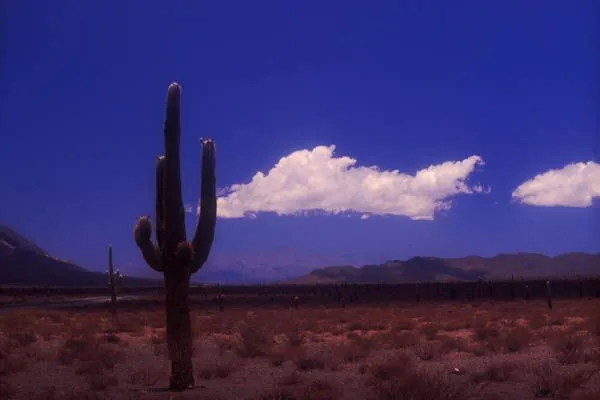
(526, 265)
(23, 262)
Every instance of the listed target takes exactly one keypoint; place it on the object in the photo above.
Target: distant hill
(24, 263)
(528, 265)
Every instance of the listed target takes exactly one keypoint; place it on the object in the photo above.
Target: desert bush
(216, 369)
(319, 389)
(391, 368)
(308, 362)
(496, 372)
(23, 338)
(253, 342)
(517, 339)
(485, 332)
(12, 359)
(401, 340)
(87, 348)
(430, 330)
(551, 381)
(428, 351)
(424, 384)
(568, 349)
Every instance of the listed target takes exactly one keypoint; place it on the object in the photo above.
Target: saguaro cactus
(173, 255)
(111, 282)
(549, 295)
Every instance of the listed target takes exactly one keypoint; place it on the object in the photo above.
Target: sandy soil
(509, 350)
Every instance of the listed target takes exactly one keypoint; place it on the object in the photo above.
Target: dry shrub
(550, 381)
(253, 342)
(50, 393)
(131, 323)
(404, 325)
(357, 348)
(457, 324)
(593, 324)
(88, 349)
(145, 375)
(497, 372)
(319, 390)
(401, 340)
(430, 330)
(7, 391)
(449, 343)
(292, 378)
(538, 321)
(295, 338)
(428, 351)
(568, 349)
(12, 359)
(516, 339)
(112, 338)
(477, 350)
(23, 338)
(391, 368)
(217, 369)
(99, 378)
(278, 394)
(305, 361)
(485, 332)
(421, 383)
(590, 395)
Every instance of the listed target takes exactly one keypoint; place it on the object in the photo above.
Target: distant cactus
(417, 293)
(173, 255)
(549, 295)
(114, 280)
(221, 301)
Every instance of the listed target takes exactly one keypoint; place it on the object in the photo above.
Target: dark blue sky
(398, 85)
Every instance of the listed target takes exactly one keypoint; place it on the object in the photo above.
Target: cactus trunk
(173, 255)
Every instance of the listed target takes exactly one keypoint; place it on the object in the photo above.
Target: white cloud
(572, 186)
(310, 180)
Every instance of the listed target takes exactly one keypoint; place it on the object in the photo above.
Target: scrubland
(408, 351)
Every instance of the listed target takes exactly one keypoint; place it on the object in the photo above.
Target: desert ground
(407, 351)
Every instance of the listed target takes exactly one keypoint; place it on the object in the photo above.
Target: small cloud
(575, 185)
(316, 180)
(480, 189)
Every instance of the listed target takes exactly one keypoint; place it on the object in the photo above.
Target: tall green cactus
(173, 255)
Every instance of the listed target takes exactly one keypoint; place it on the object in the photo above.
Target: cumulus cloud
(575, 185)
(316, 180)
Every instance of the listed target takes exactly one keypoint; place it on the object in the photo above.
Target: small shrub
(430, 331)
(498, 372)
(517, 338)
(568, 349)
(253, 343)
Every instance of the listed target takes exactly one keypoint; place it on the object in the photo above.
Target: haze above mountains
(23, 262)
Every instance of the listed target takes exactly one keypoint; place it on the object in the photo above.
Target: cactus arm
(142, 234)
(205, 229)
(174, 222)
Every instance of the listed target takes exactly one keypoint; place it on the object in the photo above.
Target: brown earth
(503, 350)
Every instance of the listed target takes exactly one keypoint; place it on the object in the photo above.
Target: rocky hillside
(24, 263)
(465, 268)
